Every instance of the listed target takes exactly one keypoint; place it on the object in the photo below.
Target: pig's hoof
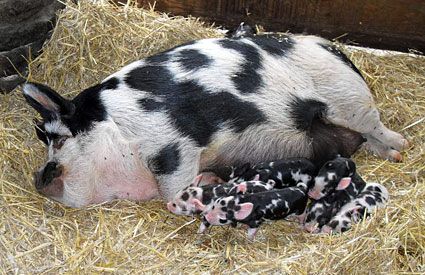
(326, 229)
(394, 155)
(405, 143)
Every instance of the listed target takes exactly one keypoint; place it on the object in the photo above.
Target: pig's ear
(198, 204)
(351, 167)
(241, 188)
(257, 177)
(196, 181)
(343, 183)
(246, 209)
(46, 101)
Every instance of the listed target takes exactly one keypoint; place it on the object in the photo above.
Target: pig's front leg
(175, 166)
(204, 226)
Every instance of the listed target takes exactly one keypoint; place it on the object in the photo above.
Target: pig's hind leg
(365, 119)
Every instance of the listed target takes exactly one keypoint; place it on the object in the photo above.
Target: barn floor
(40, 236)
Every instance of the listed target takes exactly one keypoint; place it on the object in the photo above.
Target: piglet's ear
(257, 177)
(246, 209)
(196, 181)
(198, 204)
(343, 183)
(46, 101)
(241, 188)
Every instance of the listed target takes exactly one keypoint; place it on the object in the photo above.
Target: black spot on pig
(274, 45)
(166, 161)
(185, 196)
(192, 59)
(329, 140)
(149, 104)
(305, 111)
(333, 224)
(89, 107)
(194, 111)
(370, 201)
(247, 79)
(341, 56)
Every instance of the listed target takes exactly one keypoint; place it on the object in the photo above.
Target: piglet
(335, 175)
(197, 199)
(335, 185)
(285, 172)
(373, 197)
(254, 209)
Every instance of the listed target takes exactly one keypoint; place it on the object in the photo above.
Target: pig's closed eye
(59, 141)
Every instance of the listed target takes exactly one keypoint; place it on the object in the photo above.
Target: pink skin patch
(343, 183)
(251, 233)
(202, 228)
(311, 228)
(314, 194)
(241, 188)
(326, 229)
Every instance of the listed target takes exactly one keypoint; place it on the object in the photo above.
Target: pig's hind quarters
(365, 119)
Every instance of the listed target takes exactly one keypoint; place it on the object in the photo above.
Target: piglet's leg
(251, 233)
(203, 227)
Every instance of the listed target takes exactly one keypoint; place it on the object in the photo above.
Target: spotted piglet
(254, 209)
(285, 172)
(336, 175)
(335, 185)
(197, 199)
(374, 196)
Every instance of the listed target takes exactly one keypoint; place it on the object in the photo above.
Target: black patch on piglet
(166, 161)
(185, 196)
(370, 201)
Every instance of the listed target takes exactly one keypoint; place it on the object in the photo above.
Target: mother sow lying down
(147, 130)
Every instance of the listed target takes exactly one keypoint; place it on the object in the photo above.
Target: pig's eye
(174, 205)
(213, 207)
(59, 141)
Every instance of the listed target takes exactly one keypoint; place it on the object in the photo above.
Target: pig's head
(89, 161)
(241, 173)
(226, 210)
(334, 175)
(189, 200)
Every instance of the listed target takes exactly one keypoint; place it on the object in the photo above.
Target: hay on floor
(92, 41)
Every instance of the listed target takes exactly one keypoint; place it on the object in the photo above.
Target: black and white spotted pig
(374, 196)
(320, 212)
(150, 128)
(198, 199)
(254, 209)
(285, 172)
(336, 175)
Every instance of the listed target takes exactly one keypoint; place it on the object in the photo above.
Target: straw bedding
(41, 236)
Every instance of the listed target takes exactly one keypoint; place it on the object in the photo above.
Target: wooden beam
(384, 24)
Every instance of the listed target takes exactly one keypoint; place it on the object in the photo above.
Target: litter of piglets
(326, 200)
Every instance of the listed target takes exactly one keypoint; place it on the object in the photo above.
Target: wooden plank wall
(384, 24)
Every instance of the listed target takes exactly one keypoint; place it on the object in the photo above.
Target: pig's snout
(48, 182)
(314, 194)
(171, 206)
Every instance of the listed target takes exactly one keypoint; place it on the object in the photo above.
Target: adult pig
(150, 128)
